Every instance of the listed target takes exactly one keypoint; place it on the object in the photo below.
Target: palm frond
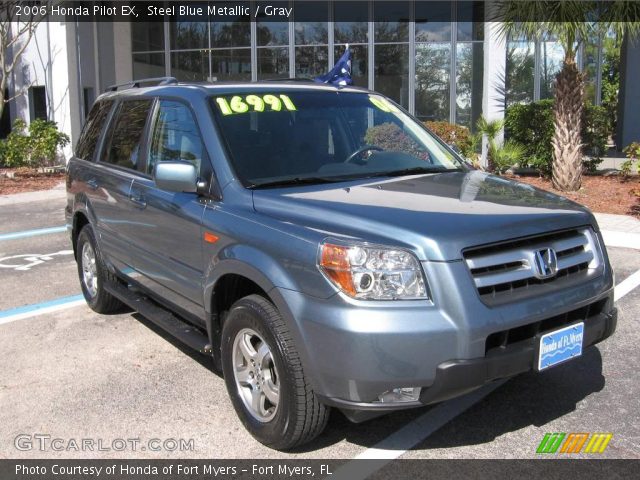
(489, 128)
(564, 21)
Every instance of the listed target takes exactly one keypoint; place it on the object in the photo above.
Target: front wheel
(264, 377)
(94, 274)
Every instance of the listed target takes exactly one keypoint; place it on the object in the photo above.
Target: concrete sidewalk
(619, 230)
(55, 193)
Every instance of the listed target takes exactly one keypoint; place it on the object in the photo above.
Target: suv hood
(435, 215)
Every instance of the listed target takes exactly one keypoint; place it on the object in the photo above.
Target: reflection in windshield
(390, 136)
(299, 137)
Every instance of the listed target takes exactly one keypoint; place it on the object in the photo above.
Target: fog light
(400, 395)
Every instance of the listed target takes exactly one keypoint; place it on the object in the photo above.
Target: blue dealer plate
(561, 345)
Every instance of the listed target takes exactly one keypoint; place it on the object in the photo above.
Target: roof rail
(295, 79)
(136, 83)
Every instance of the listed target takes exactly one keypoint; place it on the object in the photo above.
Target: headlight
(372, 273)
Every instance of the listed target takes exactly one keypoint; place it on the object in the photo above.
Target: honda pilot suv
(325, 249)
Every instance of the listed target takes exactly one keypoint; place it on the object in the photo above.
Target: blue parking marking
(38, 306)
(32, 233)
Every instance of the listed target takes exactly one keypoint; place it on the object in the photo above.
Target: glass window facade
(551, 58)
(392, 71)
(410, 51)
(433, 82)
(468, 83)
(148, 65)
(532, 67)
(191, 65)
(520, 68)
(273, 63)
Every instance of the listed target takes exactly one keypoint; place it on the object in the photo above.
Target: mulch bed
(27, 180)
(600, 193)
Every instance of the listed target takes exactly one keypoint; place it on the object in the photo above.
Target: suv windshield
(293, 137)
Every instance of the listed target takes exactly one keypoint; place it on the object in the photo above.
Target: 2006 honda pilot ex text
(326, 249)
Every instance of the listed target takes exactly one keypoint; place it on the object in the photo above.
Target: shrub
(506, 156)
(531, 125)
(455, 135)
(491, 129)
(14, 150)
(46, 140)
(596, 128)
(34, 147)
(633, 154)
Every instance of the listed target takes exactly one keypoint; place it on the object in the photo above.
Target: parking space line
(397, 444)
(32, 233)
(627, 285)
(36, 309)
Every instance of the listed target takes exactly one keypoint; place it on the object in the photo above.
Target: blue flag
(340, 74)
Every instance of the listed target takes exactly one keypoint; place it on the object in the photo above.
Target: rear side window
(175, 136)
(86, 147)
(123, 145)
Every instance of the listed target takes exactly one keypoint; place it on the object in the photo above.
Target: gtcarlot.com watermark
(42, 442)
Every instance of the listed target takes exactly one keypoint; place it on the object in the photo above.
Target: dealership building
(440, 60)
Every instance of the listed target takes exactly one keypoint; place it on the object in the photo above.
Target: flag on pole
(340, 74)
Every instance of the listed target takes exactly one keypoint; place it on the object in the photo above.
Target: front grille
(507, 271)
(527, 332)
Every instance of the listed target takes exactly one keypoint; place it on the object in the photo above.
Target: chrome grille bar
(508, 267)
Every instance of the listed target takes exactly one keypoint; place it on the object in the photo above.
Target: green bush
(507, 156)
(531, 125)
(14, 150)
(596, 128)
(35, 146)
(455, 135)
(633, 154)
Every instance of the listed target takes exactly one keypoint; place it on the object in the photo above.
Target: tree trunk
(567, 143)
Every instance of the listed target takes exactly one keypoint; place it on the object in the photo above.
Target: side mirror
(176, 176)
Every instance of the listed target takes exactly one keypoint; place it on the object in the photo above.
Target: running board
(161, 317)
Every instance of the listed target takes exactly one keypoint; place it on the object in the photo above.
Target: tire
(93, 274)
(297, 417)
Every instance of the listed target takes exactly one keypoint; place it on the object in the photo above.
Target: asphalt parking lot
(73, 374)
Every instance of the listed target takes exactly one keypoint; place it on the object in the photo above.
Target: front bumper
(457, 377)
(353, 351)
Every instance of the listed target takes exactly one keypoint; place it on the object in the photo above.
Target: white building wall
(31, 71)
(122, 52)
(494, 72)
(51, 60)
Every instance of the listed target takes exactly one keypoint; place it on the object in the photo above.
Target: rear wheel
(94, 274)
(264, 377)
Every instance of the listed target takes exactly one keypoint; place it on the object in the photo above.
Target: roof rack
(136, 83)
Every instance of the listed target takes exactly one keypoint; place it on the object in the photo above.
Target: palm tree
(490, 130)
(570, 23)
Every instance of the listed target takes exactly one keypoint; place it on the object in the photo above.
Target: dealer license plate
(560, 345)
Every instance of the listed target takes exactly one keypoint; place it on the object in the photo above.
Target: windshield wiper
(414, 171)
(344, 178)
(294, 181)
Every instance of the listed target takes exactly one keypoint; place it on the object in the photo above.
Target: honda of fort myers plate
(561, 345)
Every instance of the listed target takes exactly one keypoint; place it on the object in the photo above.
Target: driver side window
(175, 136)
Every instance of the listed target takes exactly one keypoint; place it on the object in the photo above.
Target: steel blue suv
(325, 249)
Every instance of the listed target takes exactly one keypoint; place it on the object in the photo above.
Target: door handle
(92, 184)
(138, 200)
